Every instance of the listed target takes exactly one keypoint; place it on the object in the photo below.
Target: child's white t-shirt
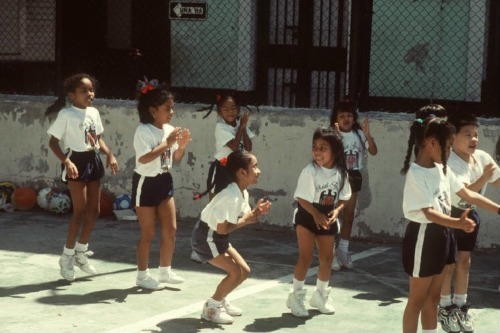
(428, 188)
(146, 138)
(225, 133)
(322, 186)
(228, 205)
(353, 148)
(78, 128)
(468, 173)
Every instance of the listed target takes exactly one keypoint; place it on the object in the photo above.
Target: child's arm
(479, 200)
(183, 140)
(488, 172)
(322, 221)
(161, 148)
(334, 214)
(372, 146)
(261, 208)
(241, 134)
(71, 169)
(464, 223)
(110, 158)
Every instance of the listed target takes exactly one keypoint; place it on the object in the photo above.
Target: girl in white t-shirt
(428, 245)
(227, 211)
(79, 126)
(357, 140)
(322, 190)
(231, 134)
(157, 145)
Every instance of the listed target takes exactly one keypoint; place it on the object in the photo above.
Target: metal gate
(306, 52)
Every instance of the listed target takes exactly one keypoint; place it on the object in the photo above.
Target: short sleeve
(305, 186)
(455, 184)
(58, 127)
(345, 192)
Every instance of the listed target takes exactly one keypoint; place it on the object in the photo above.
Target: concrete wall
(282, 146)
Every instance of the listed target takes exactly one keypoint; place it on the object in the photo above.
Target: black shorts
(355, 180)
(217, 179)
(151, 191)
(303, 218)
(207, 243)
(88, 163)
(466, 241)
(427, 248)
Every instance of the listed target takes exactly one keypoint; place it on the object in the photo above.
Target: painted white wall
(282, 146)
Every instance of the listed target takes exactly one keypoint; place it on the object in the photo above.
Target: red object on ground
(24, 198)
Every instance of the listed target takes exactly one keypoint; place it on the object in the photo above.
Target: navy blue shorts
(303, 218)
(466, 241)
(151, 191)
(88, 163)
(207, 243)
(427, 248)
(355, 180)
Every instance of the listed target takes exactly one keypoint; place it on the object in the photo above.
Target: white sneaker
(148, 283)
(321, 301)
(296, 303)
(67, 269)
(231, 309)
(216, 314)
(195, 257)
(336, 263)
(344, 258)
(82, 262)
(170, 277)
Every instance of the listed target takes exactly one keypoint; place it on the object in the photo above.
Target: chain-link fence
(292, 53)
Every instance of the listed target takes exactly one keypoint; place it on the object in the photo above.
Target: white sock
(344, 245)
(81, 247)
(445, 300)
(69, 252)
(298, 285)
(321, 285)
(165, 269)
(430, 331)
(142, 274)
(459, 300)
(214, 302)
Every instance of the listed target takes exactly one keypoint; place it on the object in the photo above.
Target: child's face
(322, 153)
(163, 113)
(252, 173)
(229, 111)
(345, 121)
(466, 140)
(84, 94)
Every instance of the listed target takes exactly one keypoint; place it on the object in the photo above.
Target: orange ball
(24, 198)
(106, 204)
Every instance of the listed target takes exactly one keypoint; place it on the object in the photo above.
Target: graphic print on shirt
(444, 202)
(327, 198)
(352, 152)
(165, 160)
(90, 135)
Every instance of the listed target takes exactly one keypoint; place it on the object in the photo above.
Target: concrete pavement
(369, 298)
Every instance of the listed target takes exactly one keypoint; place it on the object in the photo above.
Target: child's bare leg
(146, 217)
(416, 300)
(325, 246)
(237, 271)
(305, 240)
(462, 269)
(93, 193)
(348, 217)
(78, 191)
(168, 230)
(429, 311)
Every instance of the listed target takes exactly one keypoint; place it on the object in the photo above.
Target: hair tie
(143, 87)
(419, 120)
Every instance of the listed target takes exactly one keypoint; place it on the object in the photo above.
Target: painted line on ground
(195, 307)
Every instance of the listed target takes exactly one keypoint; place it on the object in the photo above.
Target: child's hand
(71, 169)
(172, 137)
(332, 216)
(488, 171)
(337, 128)
(262, 208)
(112, 163)
(365, 126)
(184, 138)
(466, 224)
(244, 119)
(322, 221)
